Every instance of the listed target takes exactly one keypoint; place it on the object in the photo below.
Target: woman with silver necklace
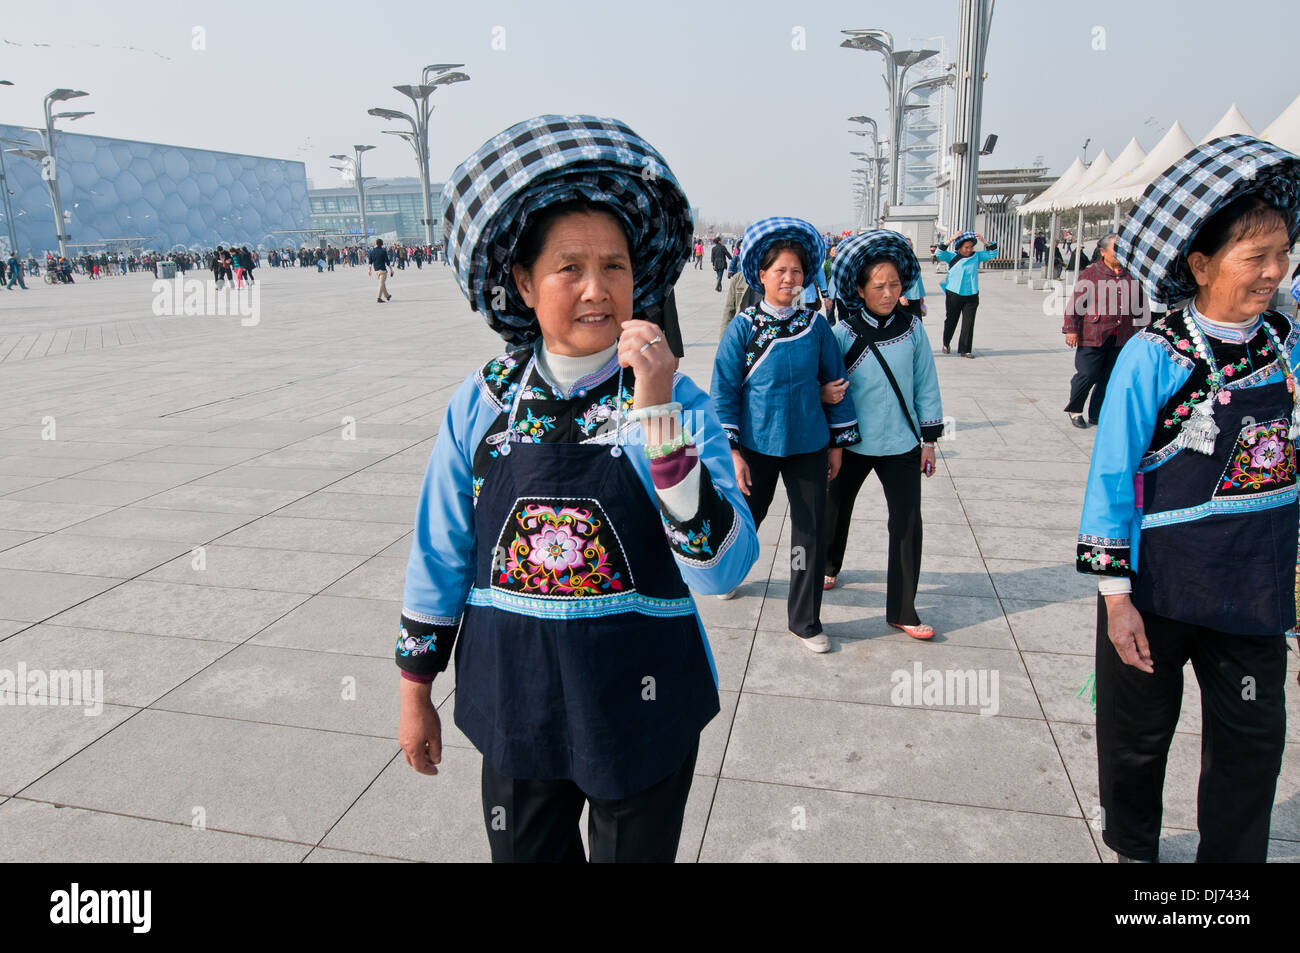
(1190, 516)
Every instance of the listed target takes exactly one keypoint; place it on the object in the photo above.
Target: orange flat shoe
(828, 582)
(919, 631)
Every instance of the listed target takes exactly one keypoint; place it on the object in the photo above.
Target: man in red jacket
(1098, 320)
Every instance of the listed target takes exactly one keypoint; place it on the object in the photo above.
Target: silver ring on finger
(646, 346)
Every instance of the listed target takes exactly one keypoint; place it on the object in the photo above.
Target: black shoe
(379, 301)
(970, 355)
(947, 349)
(1078, 421)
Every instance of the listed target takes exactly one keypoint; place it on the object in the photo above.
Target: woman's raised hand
(643, 347)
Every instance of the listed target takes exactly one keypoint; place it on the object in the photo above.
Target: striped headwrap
(1154, 242)
(541, 162)
(850, 255)
(759, 237)
(966, 236)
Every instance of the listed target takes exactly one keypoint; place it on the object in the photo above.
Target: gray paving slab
(348, 625)
(315, 535)
(323, 690)
(37, 832)
(245, 778)
(135, 669)
(144, 522)
(189, 611)
(36, 737)
(70, 553)
(765, 823)
(1009, 763)
(245, 567)
(34, 596)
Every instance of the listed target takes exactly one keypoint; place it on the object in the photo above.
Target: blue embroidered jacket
(1156, 381)
(905, 347)
(713, 550)
(767, 379)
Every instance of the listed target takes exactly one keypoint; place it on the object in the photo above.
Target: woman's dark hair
(529, 247)
(864, 271)
(777, 247)
(1240, 218)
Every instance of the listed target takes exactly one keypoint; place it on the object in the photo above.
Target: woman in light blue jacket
(891, 371)
(962, 287)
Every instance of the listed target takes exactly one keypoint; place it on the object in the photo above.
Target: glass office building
(119, 194)
(393, 211)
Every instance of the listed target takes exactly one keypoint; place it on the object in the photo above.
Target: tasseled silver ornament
(1199, 431)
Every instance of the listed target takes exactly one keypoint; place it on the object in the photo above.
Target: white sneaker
(724, 596)
(819, 643)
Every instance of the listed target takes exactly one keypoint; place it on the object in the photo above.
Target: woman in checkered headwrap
(1194, 471)
(578, 490)
(772, 362)
(961, 288)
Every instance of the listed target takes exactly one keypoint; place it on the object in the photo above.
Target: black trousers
(1092, 367)
(900, 477)
(913, 307)
(1243, 732)
(804, 475)
(719, 273)
(537, 821)
(960, 307)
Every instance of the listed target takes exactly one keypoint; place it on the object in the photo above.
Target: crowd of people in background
(228, 264)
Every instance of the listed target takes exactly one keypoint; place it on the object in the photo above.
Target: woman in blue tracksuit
(771, 364)
(962, 287)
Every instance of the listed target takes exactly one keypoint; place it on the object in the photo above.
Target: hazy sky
(750, 125)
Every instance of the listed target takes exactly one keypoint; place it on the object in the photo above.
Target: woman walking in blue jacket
(962, 287)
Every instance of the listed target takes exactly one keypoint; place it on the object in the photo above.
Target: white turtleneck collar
(1237, 332)
(776, 310)
(563, 371)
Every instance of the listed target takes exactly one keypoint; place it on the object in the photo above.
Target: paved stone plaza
(256, 695)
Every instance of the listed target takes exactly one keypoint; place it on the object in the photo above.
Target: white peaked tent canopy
(1093, 193)
(1167, 151)
(1043, 202)
(1097, 170)
(1231, 124)
(1285, 129)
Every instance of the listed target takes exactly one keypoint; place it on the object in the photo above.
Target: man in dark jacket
(380, 262)
(719, 257)
(1098, 320)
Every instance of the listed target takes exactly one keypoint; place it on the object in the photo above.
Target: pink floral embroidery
(560, 553)
(1182, 344)
(1263, 459)
(1224, 396)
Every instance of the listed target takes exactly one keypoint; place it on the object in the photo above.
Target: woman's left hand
(927, 461)
(654, 365)
(834, 457)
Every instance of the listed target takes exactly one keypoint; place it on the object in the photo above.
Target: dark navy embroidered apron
(1218, 532)
(580, 655)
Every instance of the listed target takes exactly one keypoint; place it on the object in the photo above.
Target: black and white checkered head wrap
(1153, 244)
(850, 255)
(541, 162)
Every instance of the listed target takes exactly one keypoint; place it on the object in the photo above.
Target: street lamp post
(355, 161)
(897, 63)
(10, 227)
(441, 74)
(49, 169)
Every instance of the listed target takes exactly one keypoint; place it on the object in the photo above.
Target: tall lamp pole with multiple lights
(50, 163)
(439, 74)
(10, 226)
(354, 168)
(897, 63)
